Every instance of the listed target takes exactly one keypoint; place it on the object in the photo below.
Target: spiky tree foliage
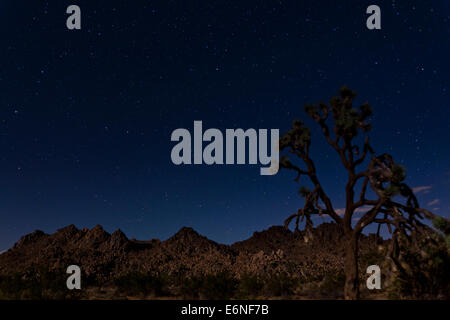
(420, 264)
(390, 202)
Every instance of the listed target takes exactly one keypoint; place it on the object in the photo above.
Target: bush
(190, 287)
(279, 285)
(372, 257)
(221, 286)
(332, 286)
(136, 284)
(424, 270)
(250, 287)
(36, 284)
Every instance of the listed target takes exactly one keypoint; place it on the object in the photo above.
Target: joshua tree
(389, 201)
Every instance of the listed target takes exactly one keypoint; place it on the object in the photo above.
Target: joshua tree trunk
(351, 290)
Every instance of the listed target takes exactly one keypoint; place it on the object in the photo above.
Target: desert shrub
(136, 284)
(423, 271)
(224, 286)
(372, 257)
(190, 287)
(249, 287)
(332, 286)
(11, 287)
(279, 285)
(36, 284)
(221, 286)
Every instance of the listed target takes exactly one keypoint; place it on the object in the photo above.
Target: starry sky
(86, 115)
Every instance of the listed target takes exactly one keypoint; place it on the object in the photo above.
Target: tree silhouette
(382, 191)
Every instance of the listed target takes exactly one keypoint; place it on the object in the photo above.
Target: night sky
(86, 115)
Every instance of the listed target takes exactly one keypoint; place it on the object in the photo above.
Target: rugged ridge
(104, 257)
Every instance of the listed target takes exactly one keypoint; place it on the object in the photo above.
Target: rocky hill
(104, 257)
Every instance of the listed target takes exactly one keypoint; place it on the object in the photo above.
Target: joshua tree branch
(369, 217)
(367, 148)
(331, 142)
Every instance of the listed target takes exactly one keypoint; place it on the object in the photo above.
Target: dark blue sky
(86, 116)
